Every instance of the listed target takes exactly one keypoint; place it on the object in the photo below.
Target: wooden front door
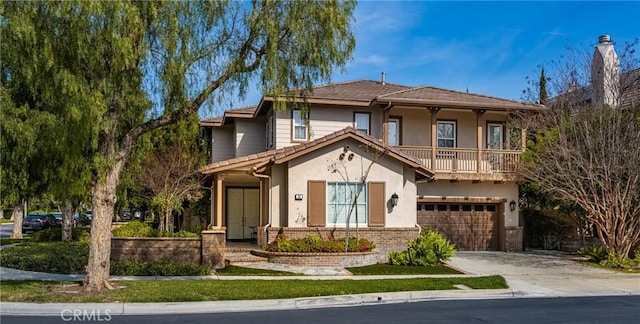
(243, 212)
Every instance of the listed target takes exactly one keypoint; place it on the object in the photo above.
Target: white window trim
(355, 121)
(329, 218)
(455, 133)
(294, 124)
(270, 133)
(501, 126)
(396, 120)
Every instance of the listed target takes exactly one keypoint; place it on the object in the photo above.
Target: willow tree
(140, 66)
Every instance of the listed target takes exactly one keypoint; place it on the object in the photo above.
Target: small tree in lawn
(171, 174)
(340, 166)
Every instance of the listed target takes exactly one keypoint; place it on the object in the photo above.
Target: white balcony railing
(465, 160)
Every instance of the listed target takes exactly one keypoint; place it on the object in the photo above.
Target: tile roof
(284, 154)
(428, 95)
(360, 90)
(242, 112)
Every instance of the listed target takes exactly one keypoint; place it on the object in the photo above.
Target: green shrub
(160, 268)
(72, 258)
(134, 229)
(430, 249)
(593, 253)
(316, 244)
(614, 260)
(139, 229)
(56, 257)
(78, 234)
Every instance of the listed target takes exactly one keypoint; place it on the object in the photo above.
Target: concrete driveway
(547, 273)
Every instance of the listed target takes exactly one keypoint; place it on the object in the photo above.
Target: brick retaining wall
(386, 239)
(352, 259)
(156, 249)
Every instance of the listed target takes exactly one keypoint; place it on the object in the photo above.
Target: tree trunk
(67, 220)
(17, 215)
(103, 200)
(168, 221)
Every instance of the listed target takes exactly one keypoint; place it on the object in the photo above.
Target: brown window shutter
(317, 203)
(377, 204)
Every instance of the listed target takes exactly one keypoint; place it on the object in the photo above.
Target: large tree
(586, 154)
(144, 65)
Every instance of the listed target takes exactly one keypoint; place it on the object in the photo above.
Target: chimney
(382, 81)
(605, 80)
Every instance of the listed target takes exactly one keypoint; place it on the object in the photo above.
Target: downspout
(263, 176)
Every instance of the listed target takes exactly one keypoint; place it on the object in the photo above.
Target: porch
(465, 159)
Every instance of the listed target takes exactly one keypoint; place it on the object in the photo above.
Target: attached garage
(470, 226)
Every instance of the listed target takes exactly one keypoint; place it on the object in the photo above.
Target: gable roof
(285, 154)
(445, 98)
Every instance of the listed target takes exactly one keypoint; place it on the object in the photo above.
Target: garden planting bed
(325, 259)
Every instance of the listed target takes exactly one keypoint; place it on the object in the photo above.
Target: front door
(243, 212)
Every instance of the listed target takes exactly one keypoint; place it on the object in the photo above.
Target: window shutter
(377, 204)
(317, 203)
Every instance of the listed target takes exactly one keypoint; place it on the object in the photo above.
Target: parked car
(88, 214)
(58, 217)
(38, 221)
(80, 220)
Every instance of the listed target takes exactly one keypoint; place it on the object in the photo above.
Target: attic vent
(604, 39)
(382, 81)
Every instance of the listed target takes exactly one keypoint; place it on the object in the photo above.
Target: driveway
(547, 273)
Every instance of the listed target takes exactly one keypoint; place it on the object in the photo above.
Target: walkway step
(229, 250)
(243, 258)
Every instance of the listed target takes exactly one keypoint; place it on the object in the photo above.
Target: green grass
(388, 269)
(5, 221)
(7, 241)
(212, 290)
(231, 270)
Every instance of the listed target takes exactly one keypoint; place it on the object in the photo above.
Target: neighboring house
(607, 85)
(448, 158)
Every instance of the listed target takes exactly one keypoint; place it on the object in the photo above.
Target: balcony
(466, 163)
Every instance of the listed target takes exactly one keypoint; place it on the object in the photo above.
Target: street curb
(114, 309)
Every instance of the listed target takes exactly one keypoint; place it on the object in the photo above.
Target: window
(361, 121)
(340, 201)
(494, 136)
(394, 131)
(446, 134)
(491, 208)
(454, 207)
(299, 126)
(269, 130)
(442, 207)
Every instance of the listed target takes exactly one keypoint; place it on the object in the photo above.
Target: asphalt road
(583, 310)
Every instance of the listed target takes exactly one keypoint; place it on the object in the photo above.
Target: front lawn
(212, 290)
(5, 221)
(388, 269)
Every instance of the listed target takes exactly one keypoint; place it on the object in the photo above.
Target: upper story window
(494, 136)
(300, 130)
(446, 134)
(362, 121)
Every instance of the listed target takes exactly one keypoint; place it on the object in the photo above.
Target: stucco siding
(250, 136)
(507, 190)
(222, 146)
(315, 166)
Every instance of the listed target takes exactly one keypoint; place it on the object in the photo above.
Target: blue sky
(486, 47)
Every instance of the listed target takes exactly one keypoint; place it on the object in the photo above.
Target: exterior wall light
(512, 205)
(394, 199)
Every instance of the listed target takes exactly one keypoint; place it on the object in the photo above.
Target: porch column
(219, 179)
(523, 139)
(434, 135)
(479, 113)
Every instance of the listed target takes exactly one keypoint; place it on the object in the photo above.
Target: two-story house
(417, 156)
